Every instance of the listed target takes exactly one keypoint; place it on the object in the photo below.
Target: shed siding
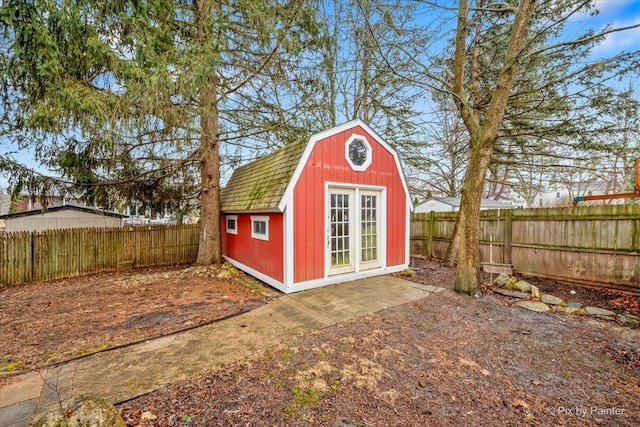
(264, 256)
(327, 163)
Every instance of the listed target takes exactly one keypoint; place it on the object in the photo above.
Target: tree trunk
(452, 250)
(483, 136)
(468, 269)
(475, 63)
(210, 245)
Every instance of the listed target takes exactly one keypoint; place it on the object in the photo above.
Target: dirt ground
(446, 360)
(50, 322)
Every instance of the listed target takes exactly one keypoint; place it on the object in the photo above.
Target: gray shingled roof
(485, 203)
(62, 208)
(455, 202)
(260, 185)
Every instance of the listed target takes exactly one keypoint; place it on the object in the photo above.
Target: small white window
(260, 227)
(232, 224)
(358, 153)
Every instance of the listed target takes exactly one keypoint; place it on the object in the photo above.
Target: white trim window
(232, 224)
(260, 227)
(358, 153)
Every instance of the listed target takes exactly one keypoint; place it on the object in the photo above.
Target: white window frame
(363, 167)
(260, 236)
(226, 221)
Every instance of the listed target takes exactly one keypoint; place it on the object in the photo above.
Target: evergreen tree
(131, 100)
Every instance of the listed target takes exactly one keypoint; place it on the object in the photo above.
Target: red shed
(321, 211)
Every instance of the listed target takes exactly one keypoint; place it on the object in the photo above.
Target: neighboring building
(317, 212)
(452, 204)
(5, 202)
(563, 196)
(28, 202)
(57, 217)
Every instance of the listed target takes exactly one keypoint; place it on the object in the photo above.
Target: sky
(620, 13)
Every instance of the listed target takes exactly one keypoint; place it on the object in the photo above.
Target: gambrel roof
(266, 184)
(260, 185)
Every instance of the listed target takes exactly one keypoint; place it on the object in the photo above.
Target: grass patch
(88, 351)
(291, 412)
(305, 397)
(10, 366)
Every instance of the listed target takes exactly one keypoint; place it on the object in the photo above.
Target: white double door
(354, 229)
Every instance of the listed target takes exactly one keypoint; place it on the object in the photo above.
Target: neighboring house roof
(62, 208)
(260, 185)
(454, 202)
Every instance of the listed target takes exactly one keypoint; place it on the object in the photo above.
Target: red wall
(327, 163)
(263, 256)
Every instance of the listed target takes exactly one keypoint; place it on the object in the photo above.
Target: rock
(147, 415)
(408, 272)
(228, 273)
(502, 279)
(510, 283)
(570, 310)
(627, 319)
(553, 300)
(536, 306)
(85, 411)
(519, 403)
(508, 293)
(522, 286)
(535, 292)
(574, 304)
(601, 313)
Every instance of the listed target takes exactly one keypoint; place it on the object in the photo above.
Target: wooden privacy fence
(56, 254)
(593, 245)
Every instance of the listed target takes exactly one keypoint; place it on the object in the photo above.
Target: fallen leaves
(519, 403)
(147, 416)
(45, 323)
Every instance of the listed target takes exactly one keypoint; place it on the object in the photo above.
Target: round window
(358, 152)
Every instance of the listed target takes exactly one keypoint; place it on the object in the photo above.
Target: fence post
(506, 255)
(431, 231)
(32, 272)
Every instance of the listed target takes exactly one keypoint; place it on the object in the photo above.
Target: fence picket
(593, 245)
(56, 254)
